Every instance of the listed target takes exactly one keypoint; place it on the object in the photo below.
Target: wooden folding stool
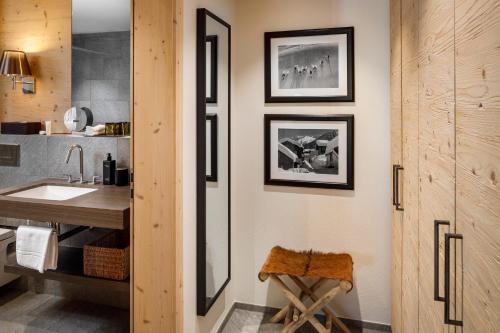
(320, 266)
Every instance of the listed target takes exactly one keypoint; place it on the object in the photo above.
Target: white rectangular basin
(52, 192)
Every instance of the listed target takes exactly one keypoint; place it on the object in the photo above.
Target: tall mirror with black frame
(213, 158)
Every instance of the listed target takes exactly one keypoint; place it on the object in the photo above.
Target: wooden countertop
(108, 207)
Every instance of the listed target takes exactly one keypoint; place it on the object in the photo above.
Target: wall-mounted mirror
(213, 158)
(100, 60)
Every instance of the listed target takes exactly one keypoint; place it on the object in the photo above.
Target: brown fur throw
(307, 264)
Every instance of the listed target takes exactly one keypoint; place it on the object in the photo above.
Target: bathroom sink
(52, 192)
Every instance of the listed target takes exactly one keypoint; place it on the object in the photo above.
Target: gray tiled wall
(43, 156)
(101, 75)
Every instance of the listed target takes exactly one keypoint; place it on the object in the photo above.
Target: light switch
(10, 155)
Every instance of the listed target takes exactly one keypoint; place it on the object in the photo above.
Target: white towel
(96, 130)
(36, 248)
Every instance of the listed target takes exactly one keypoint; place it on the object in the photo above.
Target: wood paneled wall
(449, 90)
(396, 157)
(41, 28)
(478, 160)
(410, 142)
(436, 160)
(157, 146)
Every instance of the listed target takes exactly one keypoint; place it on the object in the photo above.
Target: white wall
(193, 323)
(357, 221)
(329, 220)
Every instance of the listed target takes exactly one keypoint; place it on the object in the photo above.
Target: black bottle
(108, 171)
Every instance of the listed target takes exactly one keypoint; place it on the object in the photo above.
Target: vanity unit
(90, 205)
(74, 204)
(85, 64)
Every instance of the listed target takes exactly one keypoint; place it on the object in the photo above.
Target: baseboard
(271, 310)
(226, 319)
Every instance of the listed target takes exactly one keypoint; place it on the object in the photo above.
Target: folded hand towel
(36, 248)
(96, 130)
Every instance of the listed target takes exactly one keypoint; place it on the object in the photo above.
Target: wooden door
(436, 162)
(410, 133)
(157, 146)
(396, 158)
(478, 161)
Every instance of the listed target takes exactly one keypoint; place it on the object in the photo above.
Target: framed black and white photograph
(309, 151)
(309, 65)
(211, 149)
(211, 68)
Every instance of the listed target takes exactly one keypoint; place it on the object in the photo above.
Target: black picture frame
(213, 40)
(212, 118)
(349, 97)
(349, 119)
(203, 302)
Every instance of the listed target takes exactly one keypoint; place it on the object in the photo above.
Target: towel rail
(71, 233)
(56, 227)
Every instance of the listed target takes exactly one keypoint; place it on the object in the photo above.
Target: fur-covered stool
(308, 264)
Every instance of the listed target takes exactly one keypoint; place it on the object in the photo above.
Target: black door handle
(447, 319)
(394, 184)
(395, 189)
(437, 224)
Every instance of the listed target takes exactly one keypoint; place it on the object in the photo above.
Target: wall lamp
(14, 64)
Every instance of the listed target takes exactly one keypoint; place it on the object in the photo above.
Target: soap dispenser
(108, 172)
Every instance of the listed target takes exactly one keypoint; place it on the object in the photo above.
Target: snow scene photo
(308, 150)
(308, 66)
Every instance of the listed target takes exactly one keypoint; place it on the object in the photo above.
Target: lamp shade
(14, 63)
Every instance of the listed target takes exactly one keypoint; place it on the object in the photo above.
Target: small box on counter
(20, 128)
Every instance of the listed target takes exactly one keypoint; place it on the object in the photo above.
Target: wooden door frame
(156, 279)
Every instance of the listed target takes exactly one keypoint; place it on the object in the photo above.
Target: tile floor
(245, 321)
(42, 313)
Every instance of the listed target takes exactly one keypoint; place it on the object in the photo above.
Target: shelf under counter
(69, 270)
(107, 207)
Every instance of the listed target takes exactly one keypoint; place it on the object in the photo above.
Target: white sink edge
(52, 192)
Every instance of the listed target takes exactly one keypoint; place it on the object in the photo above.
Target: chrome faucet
(81, 159)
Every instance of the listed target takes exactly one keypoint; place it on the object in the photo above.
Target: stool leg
(295, 316)
(282, 313)
(289, 315)
(328, 323)
(307, 314)
(315, 298)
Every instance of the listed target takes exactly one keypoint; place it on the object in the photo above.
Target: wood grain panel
(478, 159)
(131, 103)
(396, 158)
(436, 148)
(179, 254)
(410, 132)
(157, 177)
(41, 28)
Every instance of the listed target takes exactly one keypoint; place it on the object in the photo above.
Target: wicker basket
(108, 257)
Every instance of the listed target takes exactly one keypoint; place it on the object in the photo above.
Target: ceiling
(91, 16)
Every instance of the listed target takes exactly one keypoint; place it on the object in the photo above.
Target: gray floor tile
(245, 321)
(41, 313)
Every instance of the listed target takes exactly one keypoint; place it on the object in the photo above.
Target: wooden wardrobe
(445, 101)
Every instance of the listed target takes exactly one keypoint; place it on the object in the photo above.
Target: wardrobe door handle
(397, 203)
(447, 319)
(394, 184)
(437, 224)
